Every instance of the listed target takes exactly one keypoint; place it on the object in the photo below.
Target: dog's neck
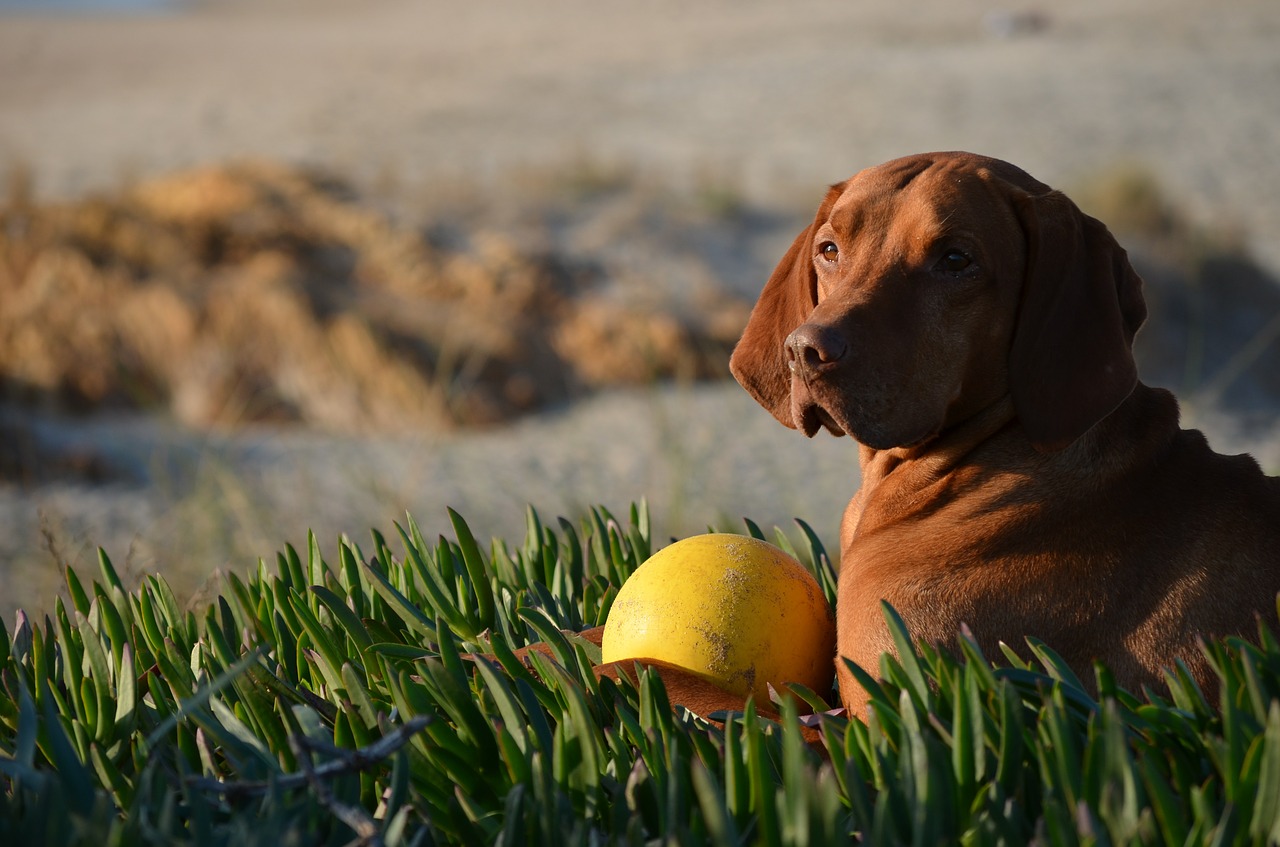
(990, 450)
(1135, 437)
(940, 455)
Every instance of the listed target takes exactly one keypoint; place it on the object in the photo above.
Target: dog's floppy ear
(1071, 362)
(759, 360)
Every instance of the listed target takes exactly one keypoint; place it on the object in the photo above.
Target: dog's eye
(829, 251)
(954, 262)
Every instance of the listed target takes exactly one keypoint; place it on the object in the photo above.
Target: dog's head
(931, 287)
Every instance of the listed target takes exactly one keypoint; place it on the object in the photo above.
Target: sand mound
(258, 292)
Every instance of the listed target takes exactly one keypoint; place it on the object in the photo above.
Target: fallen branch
(345, 762)
(360, 821)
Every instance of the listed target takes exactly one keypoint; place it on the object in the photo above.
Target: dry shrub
(1131, 200)
(615, 344)
(258, 292)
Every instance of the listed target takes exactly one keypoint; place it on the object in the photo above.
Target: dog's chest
(964, 551)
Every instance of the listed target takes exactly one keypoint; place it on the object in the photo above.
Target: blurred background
(284, 265)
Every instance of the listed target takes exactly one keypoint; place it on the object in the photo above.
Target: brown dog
(972, 330)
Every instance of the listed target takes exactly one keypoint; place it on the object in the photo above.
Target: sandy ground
(782, 98)
(425, 99)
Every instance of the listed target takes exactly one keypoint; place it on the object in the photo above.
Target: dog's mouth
(808, 414)
(816, 405)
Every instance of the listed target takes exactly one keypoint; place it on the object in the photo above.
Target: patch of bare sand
(779, 98)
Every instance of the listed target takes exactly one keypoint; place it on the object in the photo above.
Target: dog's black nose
(812, 348)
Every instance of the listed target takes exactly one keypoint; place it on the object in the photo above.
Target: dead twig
(345, 761)
(360, 821)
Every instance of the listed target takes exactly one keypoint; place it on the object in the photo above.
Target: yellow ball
(731, 609)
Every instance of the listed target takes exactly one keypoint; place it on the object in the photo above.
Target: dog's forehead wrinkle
(858, 211)
(931, 207)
